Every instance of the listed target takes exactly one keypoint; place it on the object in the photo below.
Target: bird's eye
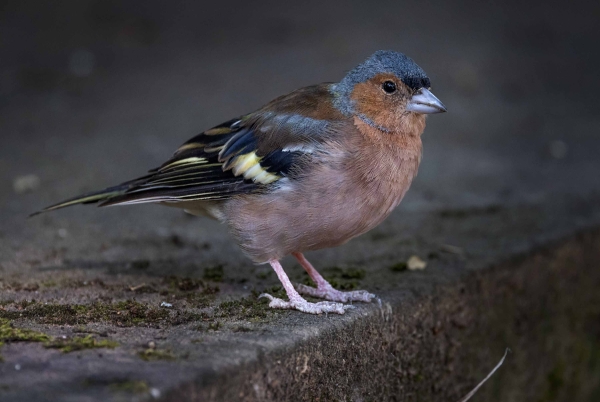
(389, 87)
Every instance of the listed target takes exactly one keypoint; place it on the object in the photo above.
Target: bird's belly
(271, 226)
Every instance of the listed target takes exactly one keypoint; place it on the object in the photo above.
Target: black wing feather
(203, 168)
(214, 165)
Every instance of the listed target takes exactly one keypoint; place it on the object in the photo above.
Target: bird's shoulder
(315, 102)
(275, 136)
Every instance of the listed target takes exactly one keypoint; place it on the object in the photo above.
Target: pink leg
(297, 302)
(324, 290)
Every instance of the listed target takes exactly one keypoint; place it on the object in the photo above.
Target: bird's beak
(425, 102)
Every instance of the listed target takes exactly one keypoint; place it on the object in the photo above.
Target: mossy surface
(196, 292)
(118, 385)
(246, 308)
(201, 298)
(131, 386)
(399, 267)
(80, 343)
(152, 354)
(214, 274)
(263, 275)
(340, 278)
(8, 333)
(123, 314)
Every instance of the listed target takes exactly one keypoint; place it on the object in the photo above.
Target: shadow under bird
(309, 170)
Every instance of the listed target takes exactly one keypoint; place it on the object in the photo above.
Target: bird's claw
(305, 306)
(329, 293)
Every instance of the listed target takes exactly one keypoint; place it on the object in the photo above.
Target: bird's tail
(88, 198)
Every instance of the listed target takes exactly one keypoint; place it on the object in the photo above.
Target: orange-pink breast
(352, 189)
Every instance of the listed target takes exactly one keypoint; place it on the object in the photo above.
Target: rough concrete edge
(425, 366)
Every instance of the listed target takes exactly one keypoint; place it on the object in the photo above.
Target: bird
(309, 170)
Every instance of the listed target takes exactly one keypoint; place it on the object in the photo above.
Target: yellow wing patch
(249, 166)
(193, 145)
(218, 131)
(187, 161)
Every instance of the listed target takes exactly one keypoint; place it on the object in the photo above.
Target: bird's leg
(297, 302)
(324, 290)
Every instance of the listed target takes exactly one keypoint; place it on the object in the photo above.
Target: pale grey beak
(425, 102)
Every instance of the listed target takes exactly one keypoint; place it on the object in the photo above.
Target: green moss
(195, 291)
(556, 381)
(183, 284)
(244, 309)
(124, 314)
(263, 275)
(10, 334)
(203, 298)
(353, 273)
(214, 326)
(340, 278)
(399, 267)
(275, 291)
(214, 274)
(188, 284)
(80, 343)
(118, 385)
(341, 284)
(156, 354)
(131, 386)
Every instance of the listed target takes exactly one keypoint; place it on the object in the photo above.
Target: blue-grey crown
(382, 61)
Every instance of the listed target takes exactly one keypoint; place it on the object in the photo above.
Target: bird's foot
(306, 307)
(327, 292)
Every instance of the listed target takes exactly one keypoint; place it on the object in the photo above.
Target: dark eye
(389, 87)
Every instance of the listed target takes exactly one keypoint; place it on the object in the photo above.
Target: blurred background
(96, 92)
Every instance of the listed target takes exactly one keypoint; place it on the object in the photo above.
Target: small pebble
(165, 304)
(415, 263)
(17, 367)
(26, 183)
(155, 393)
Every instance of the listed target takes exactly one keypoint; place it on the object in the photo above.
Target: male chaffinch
(309, 170)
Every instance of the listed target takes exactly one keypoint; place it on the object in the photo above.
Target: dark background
(96, 92)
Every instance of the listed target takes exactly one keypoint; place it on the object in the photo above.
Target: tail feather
(88, 198)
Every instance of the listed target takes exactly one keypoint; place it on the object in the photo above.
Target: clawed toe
(329, 293)
(302, 305)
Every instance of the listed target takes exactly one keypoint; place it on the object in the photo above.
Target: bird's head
(386, 91)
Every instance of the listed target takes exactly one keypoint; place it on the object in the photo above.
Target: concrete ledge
(544, 305)
(437, 332)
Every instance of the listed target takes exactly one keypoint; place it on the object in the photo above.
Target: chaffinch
(311, 169)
